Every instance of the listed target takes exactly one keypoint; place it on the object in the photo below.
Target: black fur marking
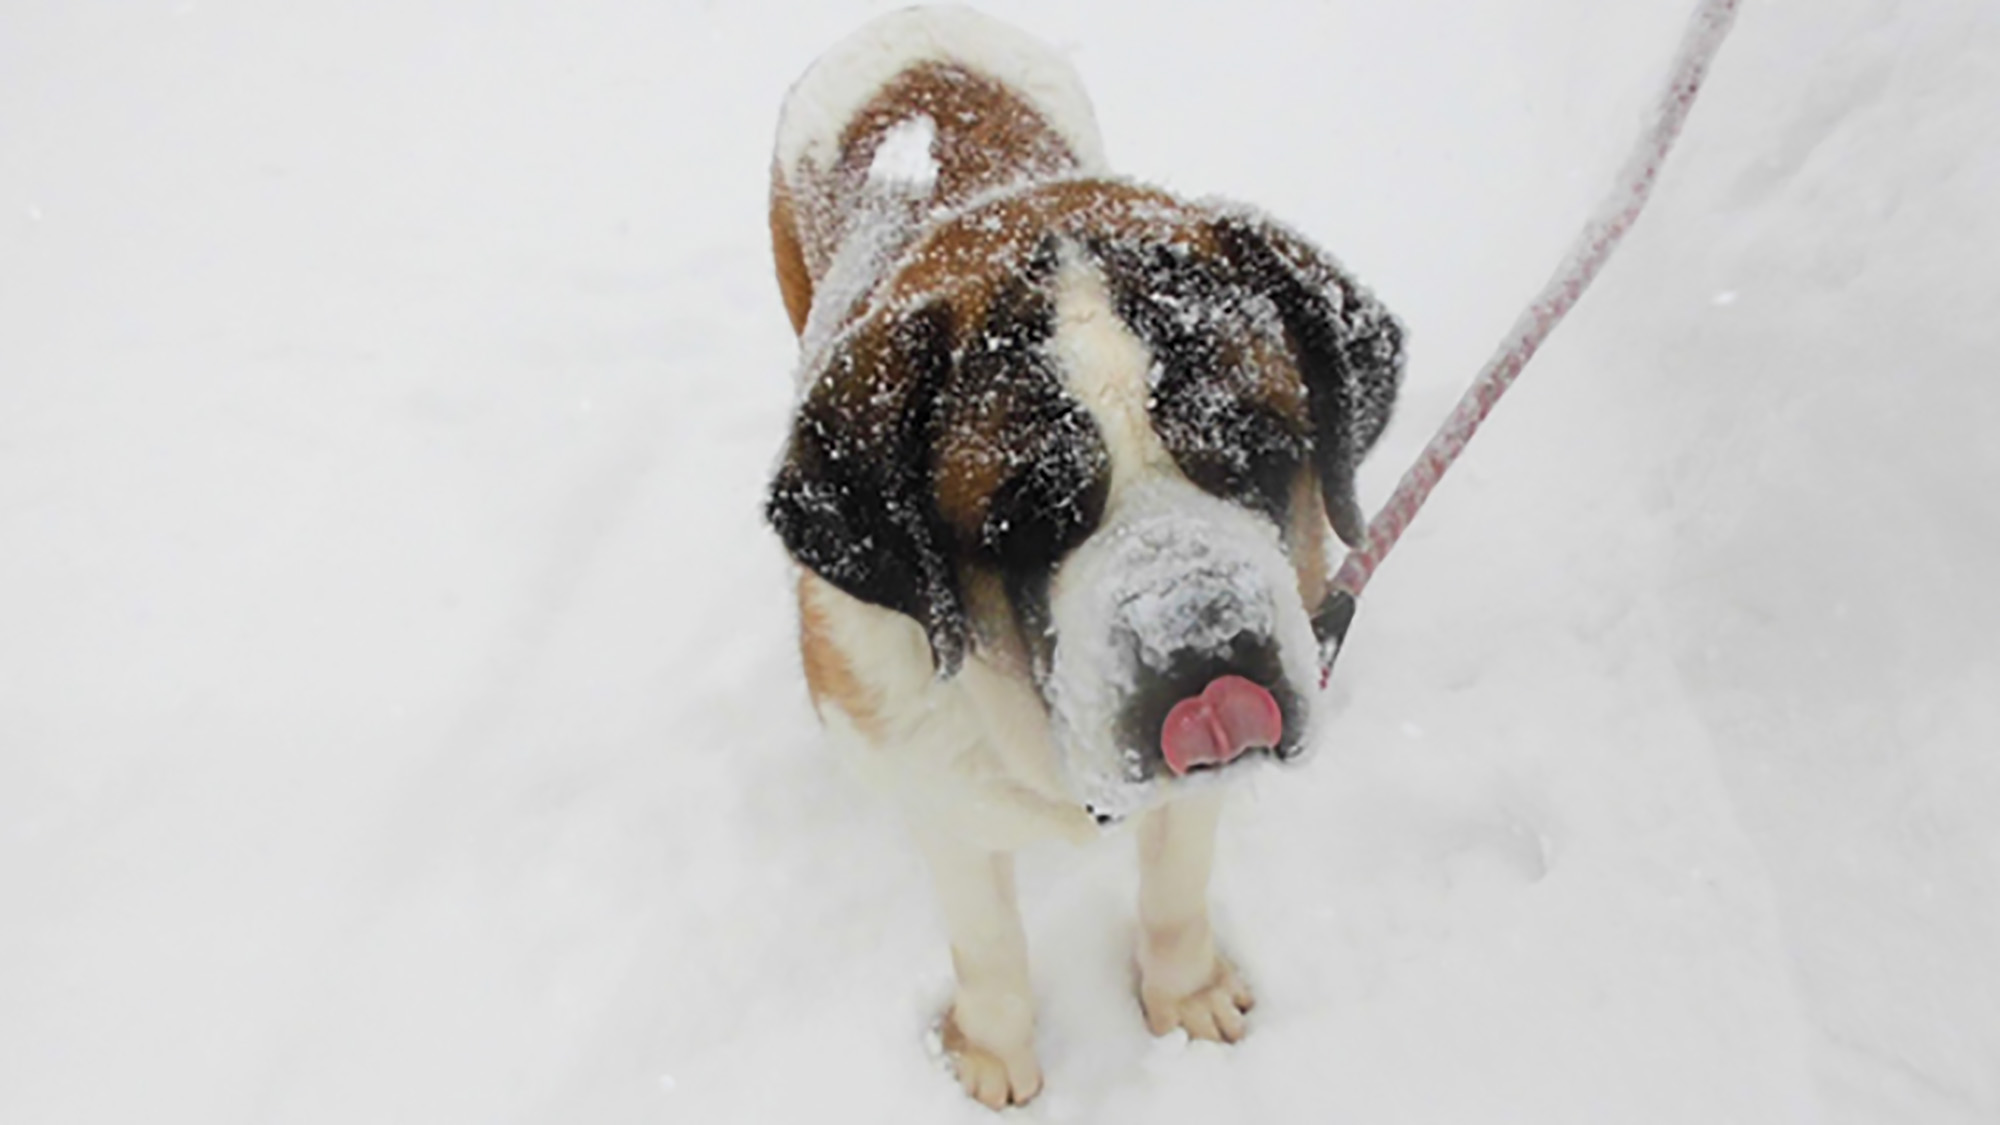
(855, 501)
(1006, 397)
(856, 498)
(1349, 351)
(1202, 322)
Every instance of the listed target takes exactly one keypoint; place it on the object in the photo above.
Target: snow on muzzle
(1180, 649)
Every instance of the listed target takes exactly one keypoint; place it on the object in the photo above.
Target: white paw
(1212, 1010)
(993, 1077)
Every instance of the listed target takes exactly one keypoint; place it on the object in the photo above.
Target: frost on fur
(904, 155)
(945, 448)
(1173, 572)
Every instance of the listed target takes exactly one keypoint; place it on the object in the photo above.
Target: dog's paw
(994, 1078)
(1213, 1010)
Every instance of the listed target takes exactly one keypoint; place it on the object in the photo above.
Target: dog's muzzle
(1179, 650)
(1208, 709)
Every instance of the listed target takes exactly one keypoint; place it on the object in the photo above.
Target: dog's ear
(854, 499)
(1349, 351)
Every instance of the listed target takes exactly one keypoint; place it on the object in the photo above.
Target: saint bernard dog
(1066, 454)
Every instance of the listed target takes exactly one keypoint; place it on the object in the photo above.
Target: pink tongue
(1230, 716)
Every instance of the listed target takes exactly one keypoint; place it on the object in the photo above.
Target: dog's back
(917, 112)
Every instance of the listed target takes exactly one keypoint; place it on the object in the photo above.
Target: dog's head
(1097, 434)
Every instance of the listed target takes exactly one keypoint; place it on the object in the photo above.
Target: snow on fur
(826, 97)
(399, 707)
(1173, 571)
(904, 156)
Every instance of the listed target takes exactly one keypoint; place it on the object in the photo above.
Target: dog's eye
(1050, 504)
(1220, 407)
(1027, 466)
(1232, 446)
(1225, 402)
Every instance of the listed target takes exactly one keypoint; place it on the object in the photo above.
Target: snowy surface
(398, 718)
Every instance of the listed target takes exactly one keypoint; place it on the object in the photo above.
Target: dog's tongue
(1230, 716)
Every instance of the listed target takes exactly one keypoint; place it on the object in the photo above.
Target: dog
(1059, 483)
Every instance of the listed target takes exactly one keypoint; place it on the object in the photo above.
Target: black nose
(1188, 673)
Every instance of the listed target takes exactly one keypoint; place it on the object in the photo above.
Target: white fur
(974, 760)
(880, 231)
(981, 753)
(1171, 569)
(993, 1012)
(1163, 547)
(903, 173)
(903, 156)
(1106, 367)
(843, 79)
(970, 756)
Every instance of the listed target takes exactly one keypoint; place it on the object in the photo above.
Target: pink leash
(1706, 29)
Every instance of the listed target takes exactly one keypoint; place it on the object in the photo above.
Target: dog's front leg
(1183, 981)
(990, 1030)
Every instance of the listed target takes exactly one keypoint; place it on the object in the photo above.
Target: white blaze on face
(1107, 368)
(1171, 570)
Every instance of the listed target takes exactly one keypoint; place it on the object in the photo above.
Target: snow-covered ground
(398, 719)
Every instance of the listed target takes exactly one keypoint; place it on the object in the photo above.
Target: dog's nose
(1230, 715)
(1209, 707)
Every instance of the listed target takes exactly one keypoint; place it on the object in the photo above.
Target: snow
(904, 156)
(398, 719)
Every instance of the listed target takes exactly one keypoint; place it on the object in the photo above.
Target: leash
(1706, 29)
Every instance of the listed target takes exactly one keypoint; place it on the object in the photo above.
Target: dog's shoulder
(973, 751)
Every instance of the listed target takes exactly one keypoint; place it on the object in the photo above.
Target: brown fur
(970, 255)
(830, 676)
(1305, 539)
(970, 467)
(987, 137)
(794, 282)
(966, 258)
(961, 389)
(1001, 644)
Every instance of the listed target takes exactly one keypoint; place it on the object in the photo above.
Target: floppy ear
(854, 500)
(1349, 350)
